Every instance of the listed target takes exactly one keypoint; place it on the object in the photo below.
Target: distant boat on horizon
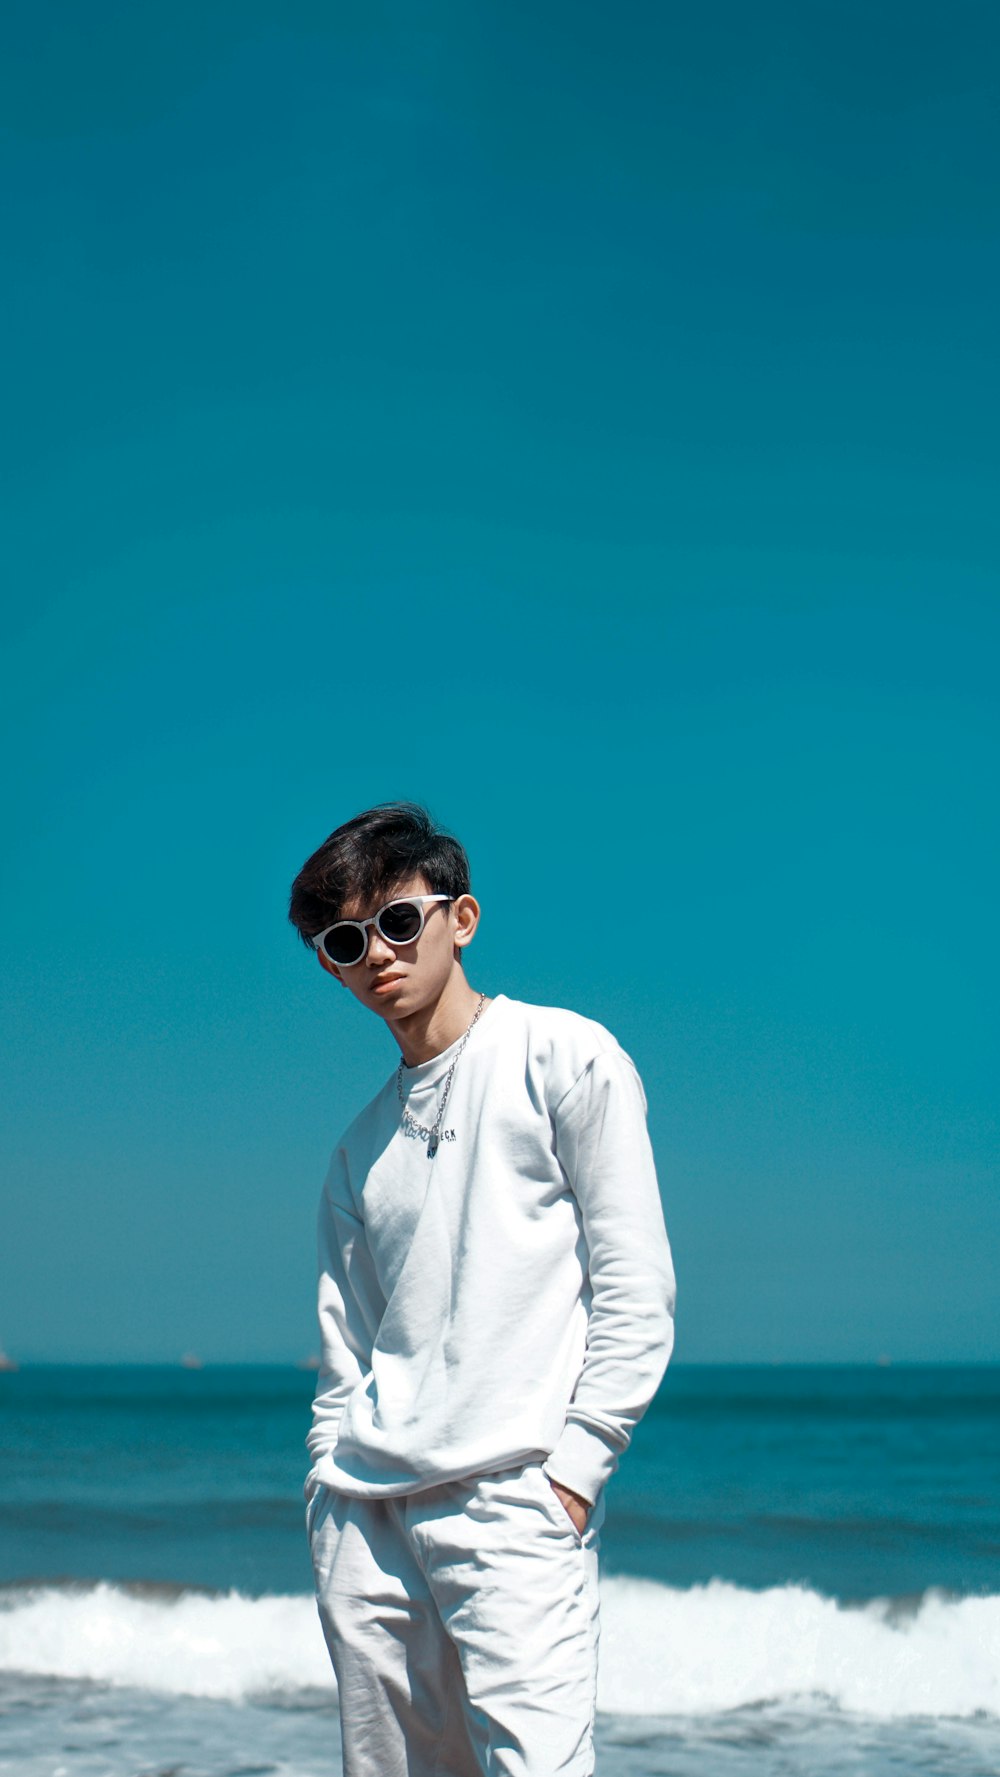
(308, 1363)
(191, 1361)
(8, 1363)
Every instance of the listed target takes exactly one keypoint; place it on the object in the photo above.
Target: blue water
(820, 1552)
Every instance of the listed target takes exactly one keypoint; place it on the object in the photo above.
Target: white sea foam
(718, 1646)
(663, 1651)
(192, 1645)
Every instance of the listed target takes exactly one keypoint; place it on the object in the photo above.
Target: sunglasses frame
(362, 926)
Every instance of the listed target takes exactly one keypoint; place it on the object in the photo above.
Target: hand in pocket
(577, 1509)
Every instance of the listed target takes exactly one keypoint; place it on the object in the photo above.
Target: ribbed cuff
(582, 1460)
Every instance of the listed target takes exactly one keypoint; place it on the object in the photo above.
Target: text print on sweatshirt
(511, 1300)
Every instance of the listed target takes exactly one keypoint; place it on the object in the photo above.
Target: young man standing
(496, 1298)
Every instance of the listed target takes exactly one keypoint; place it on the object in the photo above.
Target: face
(396, 981)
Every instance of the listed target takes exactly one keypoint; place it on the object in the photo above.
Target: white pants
(462, 1623)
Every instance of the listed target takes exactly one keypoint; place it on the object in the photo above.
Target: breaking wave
(664, 1651)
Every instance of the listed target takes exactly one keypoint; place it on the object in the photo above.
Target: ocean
(801, 1574)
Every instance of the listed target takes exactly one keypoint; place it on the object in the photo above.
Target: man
(496, 1298)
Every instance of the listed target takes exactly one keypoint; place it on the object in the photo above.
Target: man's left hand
(578, 1509)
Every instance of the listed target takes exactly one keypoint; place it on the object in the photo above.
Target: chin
(409, 999)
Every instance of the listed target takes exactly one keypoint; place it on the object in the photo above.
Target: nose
(379, 952)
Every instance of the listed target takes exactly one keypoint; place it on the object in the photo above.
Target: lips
(385, 981)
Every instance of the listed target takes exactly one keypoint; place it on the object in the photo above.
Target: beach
(801, 1573)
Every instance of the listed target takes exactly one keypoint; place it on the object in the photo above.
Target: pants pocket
(555, 1508)
(314, 1507)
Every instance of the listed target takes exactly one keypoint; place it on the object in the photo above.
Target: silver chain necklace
(433, 1136)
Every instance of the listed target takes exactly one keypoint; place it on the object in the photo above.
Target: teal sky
(585, 423)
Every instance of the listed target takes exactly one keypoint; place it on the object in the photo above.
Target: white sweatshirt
(510, 1300)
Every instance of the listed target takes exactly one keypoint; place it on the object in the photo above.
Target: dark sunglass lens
(400, 922)
(344, 944)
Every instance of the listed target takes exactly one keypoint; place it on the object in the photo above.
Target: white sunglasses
(398, 922)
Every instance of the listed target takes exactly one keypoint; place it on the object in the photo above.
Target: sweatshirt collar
(426, 1072)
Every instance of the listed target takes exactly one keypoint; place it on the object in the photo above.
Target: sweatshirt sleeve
(604, 1149)
(346, 1305)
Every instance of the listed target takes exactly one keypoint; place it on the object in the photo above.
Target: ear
(331, 968)
(466, 914)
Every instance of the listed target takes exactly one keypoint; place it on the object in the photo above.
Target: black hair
(369, 856)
